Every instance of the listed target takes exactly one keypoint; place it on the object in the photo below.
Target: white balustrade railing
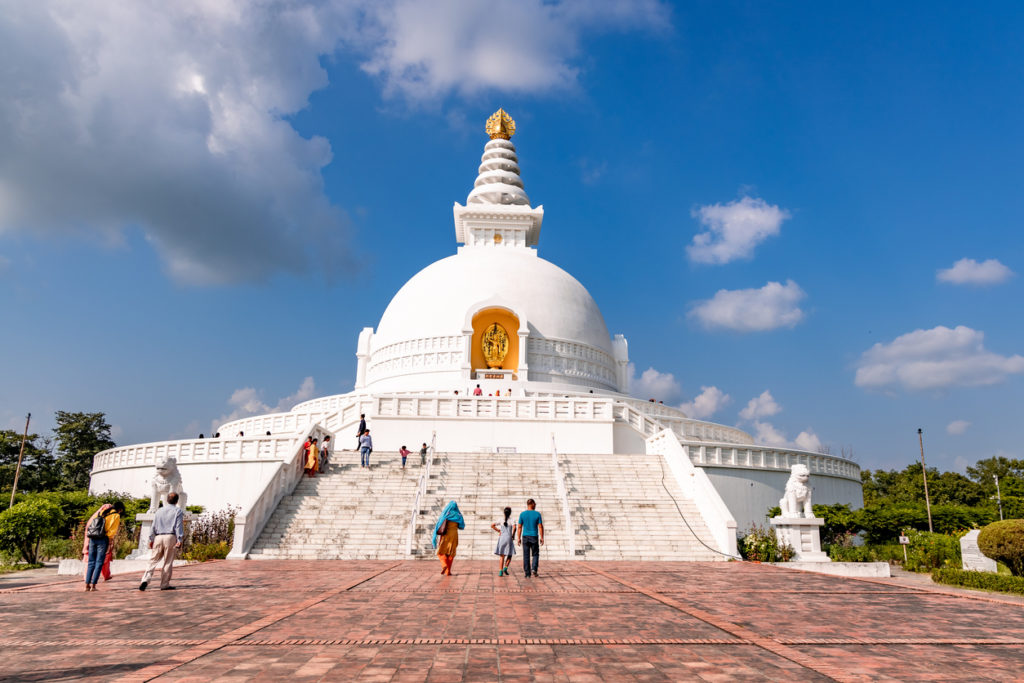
(249, 523)
(697, 487)
(421, 494)
(275, 423)
(194, 451)
(769, 458)
(563, 496)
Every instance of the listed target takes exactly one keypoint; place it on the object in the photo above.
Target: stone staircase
(483, 484)
(347, 513)
(624, 507)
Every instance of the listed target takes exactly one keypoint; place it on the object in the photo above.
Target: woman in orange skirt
(446, 536)
(312, 457)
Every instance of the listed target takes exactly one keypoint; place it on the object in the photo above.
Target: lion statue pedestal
(796, 525)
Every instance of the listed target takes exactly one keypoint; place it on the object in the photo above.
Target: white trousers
(164, 553)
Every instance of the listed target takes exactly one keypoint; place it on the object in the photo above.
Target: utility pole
(999, 497)
(21, 452)
(924, 473)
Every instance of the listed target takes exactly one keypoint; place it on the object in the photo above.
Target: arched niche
(480, 322)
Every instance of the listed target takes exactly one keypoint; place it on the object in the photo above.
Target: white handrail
(254, 517)
(421, 493)
(696, 486)
(563, 495)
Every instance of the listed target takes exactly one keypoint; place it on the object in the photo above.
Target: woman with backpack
(99, 533)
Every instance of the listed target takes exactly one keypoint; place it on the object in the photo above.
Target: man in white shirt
(165, 539)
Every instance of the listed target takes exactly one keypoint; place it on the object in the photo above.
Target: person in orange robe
(446, 536)
(312, 458)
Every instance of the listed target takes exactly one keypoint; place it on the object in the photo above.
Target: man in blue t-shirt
(531, 536)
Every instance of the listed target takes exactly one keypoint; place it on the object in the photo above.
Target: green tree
(37, 465)
(80, 436)
(25, 524)
(906, 486)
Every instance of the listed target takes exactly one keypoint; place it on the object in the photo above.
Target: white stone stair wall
(483, 484)
(630, 507)
(347, 513)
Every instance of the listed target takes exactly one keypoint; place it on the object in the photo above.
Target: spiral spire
(498, 180)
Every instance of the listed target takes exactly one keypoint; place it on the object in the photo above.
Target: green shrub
(925, 552)
(58, 548)
(25, 524)
(929, 551)
(8, 568)
(201, 552)
(882, 523)
(210, 528)
(887, 552)
(983, 580)
(761, 545)
(1004, 542)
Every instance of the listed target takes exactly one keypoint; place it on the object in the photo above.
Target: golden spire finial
(500, 125)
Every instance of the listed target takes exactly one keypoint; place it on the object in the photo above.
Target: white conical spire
(498, 181)
(498, 212)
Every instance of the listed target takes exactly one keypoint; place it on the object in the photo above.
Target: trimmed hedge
(982, 580)
(1004, 542)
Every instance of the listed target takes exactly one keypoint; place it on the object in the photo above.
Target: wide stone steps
(483, 485)
(622, 507)
(349, 512)
(630, 507)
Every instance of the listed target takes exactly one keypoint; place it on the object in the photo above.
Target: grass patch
(20, 567)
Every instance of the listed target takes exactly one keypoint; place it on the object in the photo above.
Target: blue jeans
(364, 456)
(97, 554)
(530, 545)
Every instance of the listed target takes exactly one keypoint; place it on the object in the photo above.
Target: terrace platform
(578, 621)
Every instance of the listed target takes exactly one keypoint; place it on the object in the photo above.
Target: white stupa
(495, 358)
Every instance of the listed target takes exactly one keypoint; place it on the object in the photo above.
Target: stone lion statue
(797, 500)
(167, 479)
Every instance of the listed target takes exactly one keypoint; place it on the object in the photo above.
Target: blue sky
(200, 207)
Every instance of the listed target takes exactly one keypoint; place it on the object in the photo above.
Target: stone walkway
(580, 621)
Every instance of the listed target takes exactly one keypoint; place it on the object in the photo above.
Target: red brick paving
(600, 621)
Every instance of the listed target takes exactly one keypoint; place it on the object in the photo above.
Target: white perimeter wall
(215, 486)
(749, 492)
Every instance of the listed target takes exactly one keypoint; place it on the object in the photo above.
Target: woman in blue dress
(506, 542)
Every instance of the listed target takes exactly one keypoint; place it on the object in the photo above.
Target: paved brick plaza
(401, 621)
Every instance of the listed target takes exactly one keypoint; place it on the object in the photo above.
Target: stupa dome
(436, 301)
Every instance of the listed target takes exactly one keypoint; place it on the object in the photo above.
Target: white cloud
(761, 406)
(935, 359)
(808, 441)
(708, 402)
(967, 271)
(752, 310)
(173, 119)
(661, 386)
(305, 392)
(427, 50)
(249, 401)
(170, 118)
(957, 427)
(734, 229)
(765, 433)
